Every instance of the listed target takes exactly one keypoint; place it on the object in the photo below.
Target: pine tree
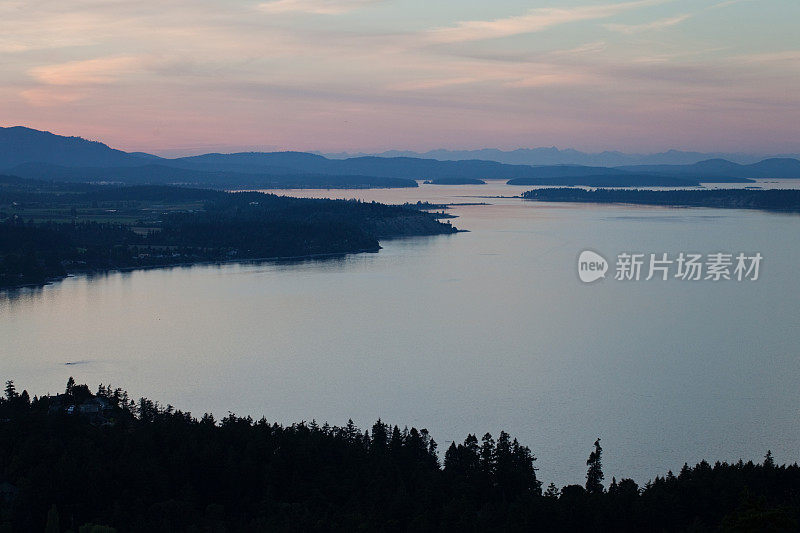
(351, 432)
(396, 441)
(380, 438)
(471, 456)
(594, 474)
(552, 491)
(11, 390)
(487, 454)
(451, 459)
(769, 462)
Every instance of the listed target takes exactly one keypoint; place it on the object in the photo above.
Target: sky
(178, 77)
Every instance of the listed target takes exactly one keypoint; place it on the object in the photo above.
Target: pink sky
(370, 75)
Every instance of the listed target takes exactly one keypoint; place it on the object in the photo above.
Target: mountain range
(554, 156)
(38, 154)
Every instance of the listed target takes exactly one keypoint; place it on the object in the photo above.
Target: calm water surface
(464, 333)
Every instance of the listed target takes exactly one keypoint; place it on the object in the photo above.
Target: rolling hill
(42, 155)
(777, 168)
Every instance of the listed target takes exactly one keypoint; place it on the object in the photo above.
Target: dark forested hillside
(618, 180)
(76, 459)
(776, 167)
(770, 200)
(50, 229)
(22, 145)
(264, 178)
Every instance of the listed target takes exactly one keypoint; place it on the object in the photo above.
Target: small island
(625, 180)
(454, 181)
(785, 200)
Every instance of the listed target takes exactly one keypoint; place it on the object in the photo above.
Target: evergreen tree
(197, 475)
(594, 474)
(452, 459)
(380, 438)
(11, 390)
(769, 462)
(487, 454)
(552, 491)
(471, 457)
(351, 432)
(396, 441)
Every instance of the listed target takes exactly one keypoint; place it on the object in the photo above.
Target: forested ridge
(37, 154)
(48, 230)
(767, 199)
(79, 461)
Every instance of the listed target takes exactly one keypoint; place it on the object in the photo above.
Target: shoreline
(87, 272)
(771, 201)
(328, 255)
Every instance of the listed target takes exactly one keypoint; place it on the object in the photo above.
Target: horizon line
(198, 149)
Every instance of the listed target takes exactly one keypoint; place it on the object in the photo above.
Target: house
(94, 406)
(96, 409)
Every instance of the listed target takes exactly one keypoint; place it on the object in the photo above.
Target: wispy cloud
(496, 74)
(433, 83)
(154, 73)
(87, 72)
(727, 3)
(533, 21)
(631, 29)
(317, 7)
(50, 96)
(588, 48)
(787, 56)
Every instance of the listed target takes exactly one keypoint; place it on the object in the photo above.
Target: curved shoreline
(88, 272)
(328, 255)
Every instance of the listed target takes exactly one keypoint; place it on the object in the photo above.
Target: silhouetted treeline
(455, 181)
(769, 200)
(626, 179)
(14, 188)
(80, 458)
(34, 253)
(217, 226)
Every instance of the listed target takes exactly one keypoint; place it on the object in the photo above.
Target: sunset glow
(368, 75)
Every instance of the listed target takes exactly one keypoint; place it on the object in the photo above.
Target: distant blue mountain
(781, 168)
(554, 156)
(20, 145)
(397, 167)
(255, 162)
(42, 155)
